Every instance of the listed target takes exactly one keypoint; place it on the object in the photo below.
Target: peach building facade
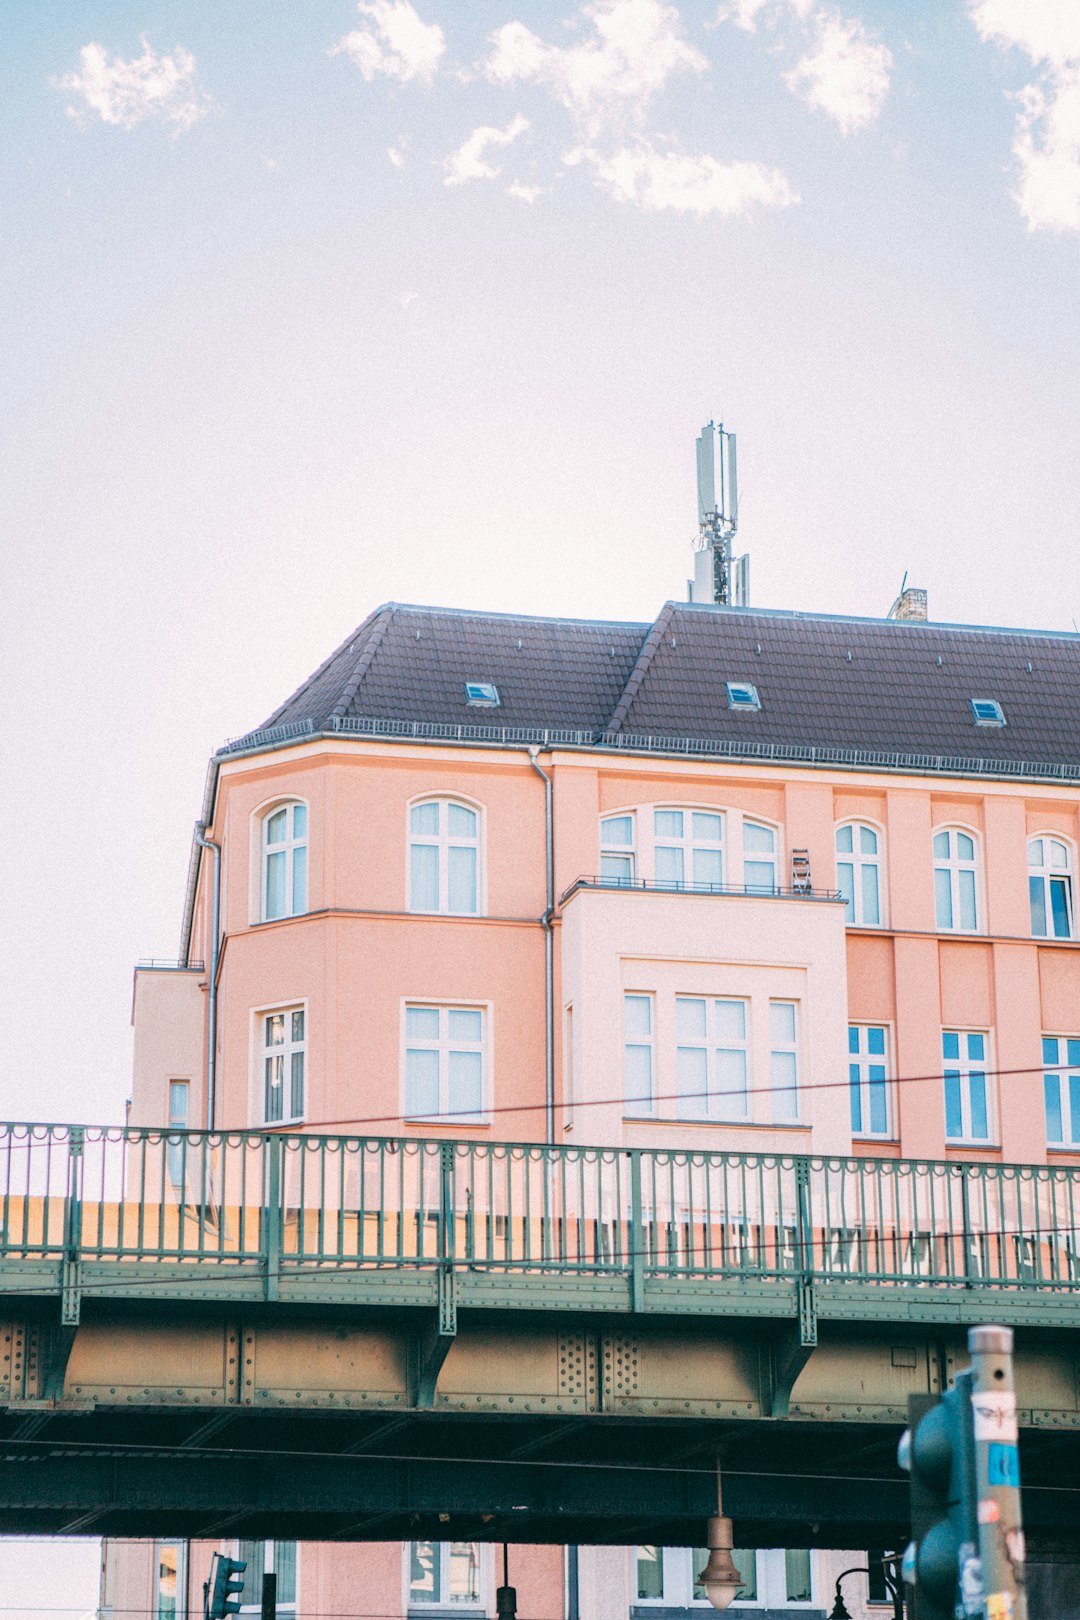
(730, 881)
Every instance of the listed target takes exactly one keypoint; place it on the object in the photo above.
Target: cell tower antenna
(718, 576)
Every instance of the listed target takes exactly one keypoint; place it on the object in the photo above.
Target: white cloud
(1046, 139)
(527, 194)
(396, 156)
(398, 46)
(656, 180)
(150, 86)
(745, 13)
(609, 78)
(845, 74)
(470, 162)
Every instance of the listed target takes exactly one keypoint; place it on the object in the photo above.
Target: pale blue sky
(265, 368)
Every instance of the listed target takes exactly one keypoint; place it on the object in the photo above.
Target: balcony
(743, 890)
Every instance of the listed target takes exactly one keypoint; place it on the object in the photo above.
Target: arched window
(858, 872)
(444, 857)
(1050, 887)
(617, 848)
(759, 857)
(956, 880)
(284, 861)
(688, 848)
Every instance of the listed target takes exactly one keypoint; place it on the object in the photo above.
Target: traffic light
(225, 1587)
(938, 1451)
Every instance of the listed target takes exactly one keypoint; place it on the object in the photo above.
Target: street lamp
(720, 1578)
(840, 1610)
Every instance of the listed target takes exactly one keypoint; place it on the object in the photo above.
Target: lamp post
(720, 1578)
(890, 1567)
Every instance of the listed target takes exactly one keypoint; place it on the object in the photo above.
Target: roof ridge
(363, 663)
(362, 627)
(644, 658)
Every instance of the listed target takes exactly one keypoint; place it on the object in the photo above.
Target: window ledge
(668, 1120)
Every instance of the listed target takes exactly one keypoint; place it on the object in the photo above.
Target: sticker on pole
(999, 1606)
(994, 1412)
(1002, 1465)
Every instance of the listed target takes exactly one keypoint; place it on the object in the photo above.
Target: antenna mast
(718, 576)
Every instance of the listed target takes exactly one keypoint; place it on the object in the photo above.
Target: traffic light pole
(997, 1474)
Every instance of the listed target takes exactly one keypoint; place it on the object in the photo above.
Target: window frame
(441, 1601)
(677, 1579)
(287, 847)
(1046, 876)
(754, 857)
(1062, 1075)
(619, 852)
(954, 865)
(854, 910)
(792, 1048)
(862, 1058)
(965, 1067)
(270, 1558)
(713, 1042)
(639, 1108)
(444, 1047)
(995, 717)
(443, 842)
(689, 846)
(739, 705)
(260, 1051)
(180, 1607)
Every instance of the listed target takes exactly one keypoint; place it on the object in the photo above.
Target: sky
(308, 307)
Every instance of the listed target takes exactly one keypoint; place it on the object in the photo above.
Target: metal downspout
(215, 958)
(547, 923)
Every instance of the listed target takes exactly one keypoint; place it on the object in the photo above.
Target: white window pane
(692, 1080)
(1035, 852)
(466, 1083)
(730, 1083)
(868, 840)
(638, 1074)
(943, 897)
(466, 1024)
(708, 866)
(298, 1024)
(967, 899)
(650, 1573)
(275, 885)
(299, 827)
(274, 1098)
(637, 1015)
(464, 1572)
(871, 908)
(941, 845)
(620, 867)
(422, 1023)
(276, 826)
(690, 1018)
(617, 830)
(708, 826)
(797, 1572)
(178, 1102)
(296, 1087)
(668, 823)
(759, 874)
(424, 818)
(422, 1572)
(1059, 856)
(285, 1566)
(965, 847)
(730, 1020)
(745, 1560)
(299, 880)
(758, 838)
(460, 821)
(785, 1097)
(421, 1082)
(845, 882)
(669, 864)
(274, 1029)
(461, 877)
(843, 840)
(782, 1022)
(424, 877)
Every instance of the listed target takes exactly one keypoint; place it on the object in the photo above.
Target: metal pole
(269, 1596)
(997, 1474)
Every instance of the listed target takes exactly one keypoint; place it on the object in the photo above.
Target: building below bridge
(775, 885)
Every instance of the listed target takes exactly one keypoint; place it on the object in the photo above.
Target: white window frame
(742, 696)
(286, 848)
(1045, 875)
(860, 862)
(262, 1051)
(861, 1062)
(965, 1066)
(445, 1045)
(270, 1568)
(987, 712)
(715, 1106)
(688, 845)
(755, 857)
(442, 842)
(785, 1048)
(677, 1579)
(639, 1107)
(611, 852)
(180, 1598)
(1062, 1075)
(954, 864)
(441, 1599)
(179, 1120)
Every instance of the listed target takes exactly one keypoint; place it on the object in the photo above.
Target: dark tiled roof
(874, 686)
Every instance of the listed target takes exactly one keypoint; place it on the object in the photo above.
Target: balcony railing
(753, 891)
(300, 1203)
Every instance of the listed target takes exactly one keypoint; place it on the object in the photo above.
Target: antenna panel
(706, 474)
(731, 493)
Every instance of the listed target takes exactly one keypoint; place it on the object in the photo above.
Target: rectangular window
(797, 1574)
(179, 1100)
(967, 1098)
(617, 849)
(444, 1063)
(445, 1574)
(268, 1558)
(171, 1581)
(745, 1561)
(868, 1078)
(688, 848)
(877, 1590)
(759, 857)
(669, 1576)
(783, 1059)
(638, 1039)
(1061, 1090)
(711, 1058)
(284, 1049)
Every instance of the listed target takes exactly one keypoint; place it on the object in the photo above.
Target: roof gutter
(547, 923)
(191, 889)
(215, 959)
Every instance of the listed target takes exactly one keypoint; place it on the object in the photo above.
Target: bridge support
(432, 1343)
(787, 1358)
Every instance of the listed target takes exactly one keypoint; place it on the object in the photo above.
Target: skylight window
(481, 695)
(987, 712)
(742, 695)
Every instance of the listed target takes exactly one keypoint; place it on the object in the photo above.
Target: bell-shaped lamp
(720, 1578)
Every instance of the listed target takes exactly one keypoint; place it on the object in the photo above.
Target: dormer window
(742, 695)
(987, 712)
(481, 695)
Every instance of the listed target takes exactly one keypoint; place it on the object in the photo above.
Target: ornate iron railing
(299, 1203)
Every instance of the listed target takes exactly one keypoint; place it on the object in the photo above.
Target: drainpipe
(547, 923)
(215, 958)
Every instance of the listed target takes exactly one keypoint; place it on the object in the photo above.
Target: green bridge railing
(298, 1202)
